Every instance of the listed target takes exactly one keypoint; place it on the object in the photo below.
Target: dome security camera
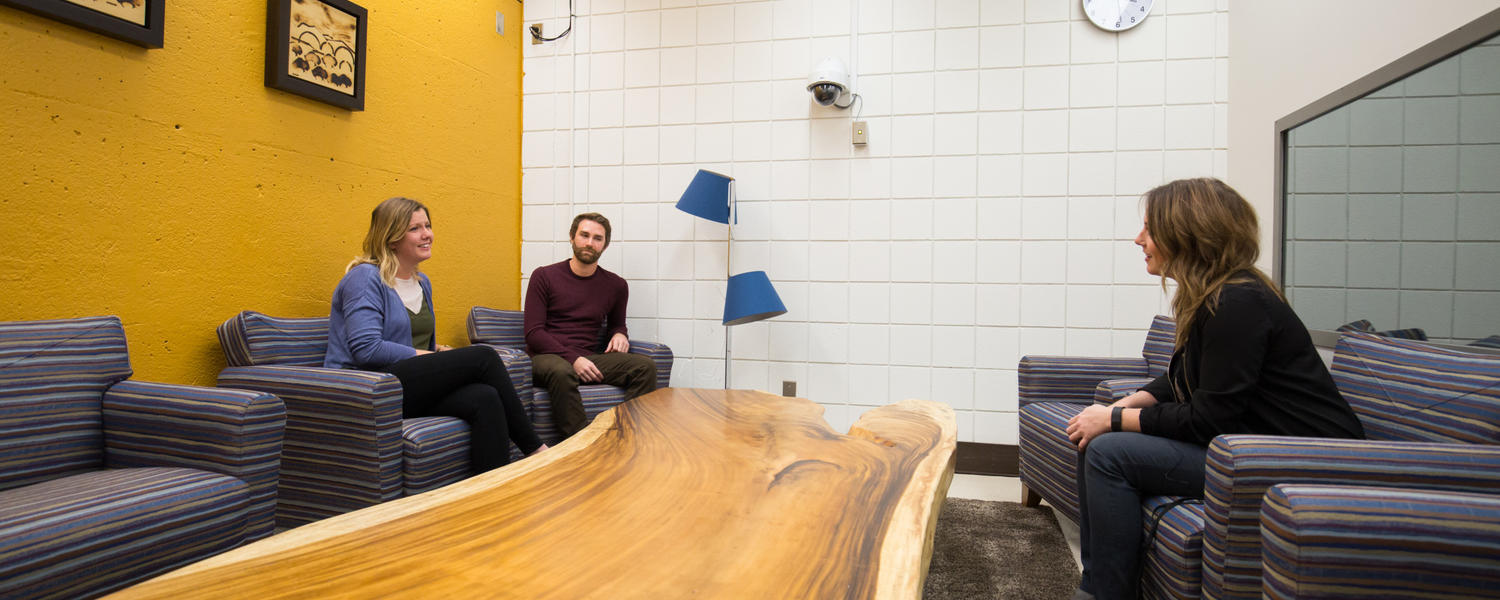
(829, 84)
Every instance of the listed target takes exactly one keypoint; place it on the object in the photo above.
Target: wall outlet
(536, 33)
(789, 388)
(861, 133)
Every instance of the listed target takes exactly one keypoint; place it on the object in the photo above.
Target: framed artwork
(136, 21)
(316, 49)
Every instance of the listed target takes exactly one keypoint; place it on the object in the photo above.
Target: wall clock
(1117, 15)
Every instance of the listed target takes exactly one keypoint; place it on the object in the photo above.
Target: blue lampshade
(707, 197)
(750, 298)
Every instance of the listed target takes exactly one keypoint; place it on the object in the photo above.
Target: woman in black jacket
(1243, 363)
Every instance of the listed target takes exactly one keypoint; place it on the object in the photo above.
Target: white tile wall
(989, 217)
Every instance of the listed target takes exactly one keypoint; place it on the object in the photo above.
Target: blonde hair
(388, 224)
(1206, 235)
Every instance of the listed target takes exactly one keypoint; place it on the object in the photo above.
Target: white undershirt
(411, 293)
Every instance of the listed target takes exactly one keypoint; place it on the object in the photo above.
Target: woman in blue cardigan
(382, 320)
(1243, 363)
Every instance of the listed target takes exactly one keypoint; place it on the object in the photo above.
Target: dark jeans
(1116, 471)
(634, 372)
(469, 383)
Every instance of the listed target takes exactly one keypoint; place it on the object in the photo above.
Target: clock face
(1117, 15)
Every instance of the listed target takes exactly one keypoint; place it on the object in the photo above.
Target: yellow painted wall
(172, 188)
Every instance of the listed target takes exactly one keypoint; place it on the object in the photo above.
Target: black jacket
(1247, 367)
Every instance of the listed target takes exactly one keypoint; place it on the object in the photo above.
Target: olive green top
(423, 325)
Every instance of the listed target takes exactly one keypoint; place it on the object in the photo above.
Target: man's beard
(585, 255)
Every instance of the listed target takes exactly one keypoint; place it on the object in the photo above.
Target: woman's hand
(1089, 424)
(444, 347)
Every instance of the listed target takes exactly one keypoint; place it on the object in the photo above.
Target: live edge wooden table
(681, 493)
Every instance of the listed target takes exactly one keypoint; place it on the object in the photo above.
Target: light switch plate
(499, 22)
(789, 388)
(861, 133)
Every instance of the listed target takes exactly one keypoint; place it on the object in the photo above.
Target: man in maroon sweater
(568, 304)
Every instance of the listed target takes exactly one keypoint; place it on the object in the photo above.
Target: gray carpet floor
(985, 550)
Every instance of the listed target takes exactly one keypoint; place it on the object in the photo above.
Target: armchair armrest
(342, 449)
(1071, 378)
(1346, 542)
(1111, 390)
(661, 355)
(518, 367)
(237, 433)
(1240, 468)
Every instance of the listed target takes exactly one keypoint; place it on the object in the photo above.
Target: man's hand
(1089, 424)
(618, 343)
(587, 372)
(444, 347)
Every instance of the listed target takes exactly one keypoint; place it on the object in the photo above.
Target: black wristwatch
(1117, 419)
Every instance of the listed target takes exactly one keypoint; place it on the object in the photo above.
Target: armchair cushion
(497, 327)
(250, 338)
(1404, 390)
(52, 380)
(1332, 542)
(95, 532)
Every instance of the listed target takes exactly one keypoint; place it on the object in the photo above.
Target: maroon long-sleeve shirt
(565, 312)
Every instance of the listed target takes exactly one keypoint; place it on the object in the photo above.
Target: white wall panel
(989, 216)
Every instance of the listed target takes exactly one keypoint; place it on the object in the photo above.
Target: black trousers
(469, 383)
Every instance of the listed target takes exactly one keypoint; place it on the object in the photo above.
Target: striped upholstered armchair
(105, 481)
(1053, 389)
(501, 329)
(1432, 417)
(1415, 507)
(347, 446)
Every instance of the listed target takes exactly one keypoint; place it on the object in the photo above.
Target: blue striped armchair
(501, 329)
(347, 445)
(104, 481)
(1053, 389)
(1432, 417)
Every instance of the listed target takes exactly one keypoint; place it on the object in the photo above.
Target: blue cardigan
(368, 327)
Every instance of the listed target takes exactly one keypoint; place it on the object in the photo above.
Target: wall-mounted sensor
(829, 84)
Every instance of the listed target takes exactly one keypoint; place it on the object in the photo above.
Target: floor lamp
(749, 296)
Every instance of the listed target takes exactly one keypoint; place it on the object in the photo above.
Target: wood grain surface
(678, 494)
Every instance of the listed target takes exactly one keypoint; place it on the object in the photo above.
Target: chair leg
(1029, 497)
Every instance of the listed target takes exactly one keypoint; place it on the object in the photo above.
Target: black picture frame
(301, 64)
(148, 35)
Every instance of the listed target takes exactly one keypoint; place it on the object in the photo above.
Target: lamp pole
(729, 272)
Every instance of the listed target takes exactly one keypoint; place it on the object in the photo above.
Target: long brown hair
(388, 223)
(1207, 236)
